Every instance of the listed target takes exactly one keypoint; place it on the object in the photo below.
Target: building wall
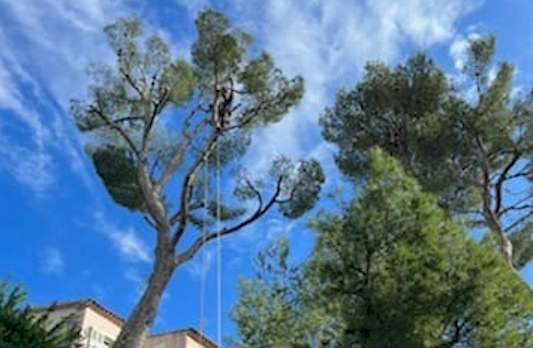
(171, 340)
(191, 343)
(98, 331)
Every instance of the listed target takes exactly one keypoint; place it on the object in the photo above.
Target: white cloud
(52, 262)
(127, 242)
(458, 52)
(28, 167)
(46, 46)
(328, 43)
(130, 246)
(459, 49)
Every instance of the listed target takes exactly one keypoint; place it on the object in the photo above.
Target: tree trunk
(143, 315)
(506, 247)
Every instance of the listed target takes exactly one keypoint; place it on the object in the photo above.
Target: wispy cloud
(46, 46)
(126, 241)
(130, 246)
(52, 261)
(28, 167)
(328, 43)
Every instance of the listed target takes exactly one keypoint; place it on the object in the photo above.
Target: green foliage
(522, 245)
(21, 328)
(479, 57)
(219, 50)
(392, 270)
(267, 315)
(179, 78)
(148, 84)
(468, 150)
(224, 212)
(405, 112)
(264, 83)
(300, 185)
(304, 187)
(117, 169)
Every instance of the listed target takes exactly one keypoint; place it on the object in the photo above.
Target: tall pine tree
(393, 270)
(156, 123)
(473, 149)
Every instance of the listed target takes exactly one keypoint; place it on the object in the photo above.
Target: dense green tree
(162, 130)
(20, 327)
(473, 149)
(266, 314)
(393, 270)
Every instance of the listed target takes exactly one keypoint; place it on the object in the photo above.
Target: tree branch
(177, 158)
(188, 184)
(116, 128)
(130, 81)
(503, 178)
(200, 241)
(192, 207)
(519, 221)
(518, 205)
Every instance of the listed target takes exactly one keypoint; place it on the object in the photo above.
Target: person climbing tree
(141, 159)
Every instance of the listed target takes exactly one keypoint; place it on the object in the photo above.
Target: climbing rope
(219, 250)
(203, 272)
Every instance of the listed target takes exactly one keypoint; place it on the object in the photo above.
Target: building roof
(86, 303)
(192, 333)
(118, 320)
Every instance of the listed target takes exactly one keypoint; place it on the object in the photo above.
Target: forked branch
(201, 241)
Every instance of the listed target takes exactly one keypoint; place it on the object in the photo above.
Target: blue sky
(63, 238)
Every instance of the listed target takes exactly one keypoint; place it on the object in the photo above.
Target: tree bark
(506, 246)
(141, 319)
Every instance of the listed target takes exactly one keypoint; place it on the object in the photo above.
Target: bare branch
(192, 207)
(519, 221)
(187, 186)
(116, 128)
(117, 121)
(256, 191)
(518, 205)
(149, 221)
(130, 81)
(178, 155)
(503, 178)
(150, 119)
(200, 241)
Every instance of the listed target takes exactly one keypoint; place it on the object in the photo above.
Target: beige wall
(171, 340)
(97, 330)
(190, 343)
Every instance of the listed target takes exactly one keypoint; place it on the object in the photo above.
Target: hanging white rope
(203, 272)
(219, 251)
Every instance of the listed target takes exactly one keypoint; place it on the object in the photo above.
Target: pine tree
(468, 148)
(20, 327)
(392, 270)
(160, 129)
